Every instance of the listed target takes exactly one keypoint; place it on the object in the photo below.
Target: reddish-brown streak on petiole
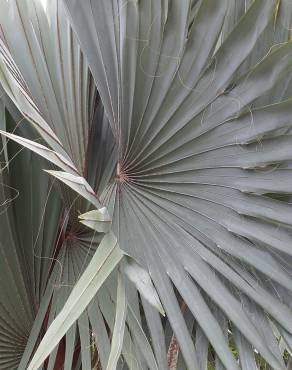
(173, 350)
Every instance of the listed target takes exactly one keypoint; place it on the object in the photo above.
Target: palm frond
(175, 117)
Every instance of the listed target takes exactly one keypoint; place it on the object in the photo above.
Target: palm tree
(159, 236)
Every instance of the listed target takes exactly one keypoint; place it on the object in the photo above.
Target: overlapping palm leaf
(190, 151)
(30, 214)
(196, 163)
(49, 101)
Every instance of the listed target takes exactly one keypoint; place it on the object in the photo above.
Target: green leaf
(78, 184)
(119, 327)
(98, 220)
(142, 280)
(51, 83)
(192, 164)
(105, 260)
(43, 151)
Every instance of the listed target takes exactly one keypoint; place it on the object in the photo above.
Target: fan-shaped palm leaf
(193, 137)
